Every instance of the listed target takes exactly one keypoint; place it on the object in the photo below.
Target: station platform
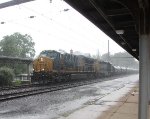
(125, 108)
(112, 107)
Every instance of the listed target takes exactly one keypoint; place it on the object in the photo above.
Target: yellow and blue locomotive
(55, 66)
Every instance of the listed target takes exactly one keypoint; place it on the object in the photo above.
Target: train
(54, 66)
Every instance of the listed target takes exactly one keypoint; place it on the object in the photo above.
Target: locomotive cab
(43, 64)
(43, 67)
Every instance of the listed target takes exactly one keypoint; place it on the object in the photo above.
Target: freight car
(53, 66)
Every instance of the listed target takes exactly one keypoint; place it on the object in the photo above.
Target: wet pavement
(61, 104)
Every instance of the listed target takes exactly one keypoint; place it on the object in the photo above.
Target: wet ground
(60, 104)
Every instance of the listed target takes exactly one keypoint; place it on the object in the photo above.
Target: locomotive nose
(42, 64)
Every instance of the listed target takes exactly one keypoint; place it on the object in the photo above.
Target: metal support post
(148, 55)
(143, 81)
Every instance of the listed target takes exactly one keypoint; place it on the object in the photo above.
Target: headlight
(41, 59)
(33, 69)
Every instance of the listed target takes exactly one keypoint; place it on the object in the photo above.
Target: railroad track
(17, 92)
(40, 90)
(17, 87)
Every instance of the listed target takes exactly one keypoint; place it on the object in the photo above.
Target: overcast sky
(56, 26)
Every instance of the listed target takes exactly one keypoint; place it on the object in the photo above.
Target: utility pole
(98, 55)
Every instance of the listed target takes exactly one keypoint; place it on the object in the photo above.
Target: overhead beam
(132, 37)
(124, 24)
(117, 12)
(13, 2)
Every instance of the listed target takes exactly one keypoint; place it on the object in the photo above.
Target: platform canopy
(116, 18)
(5, 59)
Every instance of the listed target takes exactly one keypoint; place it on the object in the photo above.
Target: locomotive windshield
(52, 55)
(43, 55)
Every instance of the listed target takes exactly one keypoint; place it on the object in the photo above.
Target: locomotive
(51, 66)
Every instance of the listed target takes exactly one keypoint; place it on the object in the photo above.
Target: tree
(6, 76)
(17, 45)
(122, 59)
(105, 57)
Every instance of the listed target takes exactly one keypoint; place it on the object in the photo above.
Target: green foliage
(17, 82)
(17, 45)
(122, 59)
(6, 76)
